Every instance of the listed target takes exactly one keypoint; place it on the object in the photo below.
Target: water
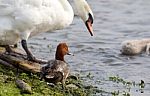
(115, 22)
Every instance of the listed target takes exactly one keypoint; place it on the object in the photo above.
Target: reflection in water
(115, 21)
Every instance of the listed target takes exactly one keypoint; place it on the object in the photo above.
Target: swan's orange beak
(89, 23)
(89, 26)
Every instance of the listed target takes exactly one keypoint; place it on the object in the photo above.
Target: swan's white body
(20, 19)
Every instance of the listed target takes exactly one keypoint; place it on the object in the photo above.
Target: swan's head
(86, 14)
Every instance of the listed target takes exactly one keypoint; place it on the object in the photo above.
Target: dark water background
(115, 22)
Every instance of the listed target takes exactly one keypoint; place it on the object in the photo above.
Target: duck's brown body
(56, 70)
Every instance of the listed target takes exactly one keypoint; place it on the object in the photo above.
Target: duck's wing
(59, 65)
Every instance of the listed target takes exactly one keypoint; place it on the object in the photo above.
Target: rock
(71, 86)
(26, 88)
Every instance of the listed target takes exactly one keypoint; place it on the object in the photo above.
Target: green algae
(8, 86)
(128, 85)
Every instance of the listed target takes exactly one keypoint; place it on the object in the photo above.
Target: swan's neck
(66, 5)
(68, 12)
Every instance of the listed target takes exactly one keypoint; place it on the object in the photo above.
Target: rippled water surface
(115, 22)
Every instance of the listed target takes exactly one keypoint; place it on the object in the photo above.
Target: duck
(136, 46)
(22, 19)
(57, 70)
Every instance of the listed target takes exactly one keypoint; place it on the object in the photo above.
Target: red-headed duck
(57, 70)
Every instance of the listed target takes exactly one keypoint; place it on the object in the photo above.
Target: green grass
(8, 86)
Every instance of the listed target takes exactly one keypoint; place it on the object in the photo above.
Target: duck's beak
(89, 23)
(70, 54)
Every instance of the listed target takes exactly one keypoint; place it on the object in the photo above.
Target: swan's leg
(16, 45)
(29, 54)
(148, 48)
(8, 49)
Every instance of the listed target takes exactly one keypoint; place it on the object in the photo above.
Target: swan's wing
(33, 16)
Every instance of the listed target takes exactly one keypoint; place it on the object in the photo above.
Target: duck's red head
(61, 51)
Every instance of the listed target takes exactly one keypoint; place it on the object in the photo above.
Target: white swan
(20, 19)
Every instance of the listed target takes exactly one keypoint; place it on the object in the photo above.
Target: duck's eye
(66, 50)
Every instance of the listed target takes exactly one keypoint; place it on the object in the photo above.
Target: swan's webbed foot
(33, 59)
